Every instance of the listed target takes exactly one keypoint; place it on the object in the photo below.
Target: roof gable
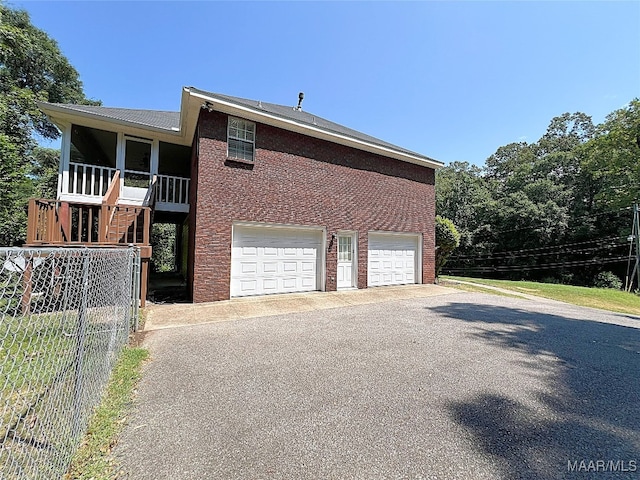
(301, 116)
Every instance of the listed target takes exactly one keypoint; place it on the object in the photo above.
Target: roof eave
(61, 116)
(197, 99)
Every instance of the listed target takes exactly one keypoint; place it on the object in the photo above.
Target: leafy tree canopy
(447, 239)
(32, 69)
(574, 185)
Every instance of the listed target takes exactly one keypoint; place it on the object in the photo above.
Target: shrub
(163, 241)
(447, 239)
(607, 280)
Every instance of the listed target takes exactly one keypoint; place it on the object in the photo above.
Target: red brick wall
(304, 181)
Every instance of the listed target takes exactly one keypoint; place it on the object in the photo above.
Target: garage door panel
(248, 285)
(268, 260)
(249, 267)
(269, 267)
(392, 259)
(269, 284)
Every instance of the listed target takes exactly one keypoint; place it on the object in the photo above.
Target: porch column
(120, 151)
(155, 158)
(65, 156)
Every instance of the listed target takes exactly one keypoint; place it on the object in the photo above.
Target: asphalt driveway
(463, 385)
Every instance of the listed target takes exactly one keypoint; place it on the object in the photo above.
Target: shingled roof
(181, 125)
(149, 118)
(301, 116)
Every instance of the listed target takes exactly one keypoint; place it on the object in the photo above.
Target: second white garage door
(393, 259)
(267, 260)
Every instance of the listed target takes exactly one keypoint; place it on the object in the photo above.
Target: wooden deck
(108, 225)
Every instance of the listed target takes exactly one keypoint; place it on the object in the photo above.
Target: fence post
(80, 344)
(27, 284)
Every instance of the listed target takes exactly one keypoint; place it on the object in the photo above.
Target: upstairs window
(241, 136)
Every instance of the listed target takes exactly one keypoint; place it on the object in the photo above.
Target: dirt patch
(136, 339)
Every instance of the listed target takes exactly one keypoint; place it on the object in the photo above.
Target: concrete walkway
(160, 316)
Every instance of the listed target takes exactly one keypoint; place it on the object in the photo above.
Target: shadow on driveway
(593, 412)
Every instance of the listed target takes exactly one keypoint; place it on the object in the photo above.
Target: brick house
(266, 198)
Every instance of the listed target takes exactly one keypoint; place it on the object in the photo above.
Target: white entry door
(346, 263)
(392, 259)
(266, 259)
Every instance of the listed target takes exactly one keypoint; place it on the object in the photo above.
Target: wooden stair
(109, 224)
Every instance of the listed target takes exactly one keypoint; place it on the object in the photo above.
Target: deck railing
(94, 180)
(59, 222)
(53, 222)
(172, 189)
(87, 179)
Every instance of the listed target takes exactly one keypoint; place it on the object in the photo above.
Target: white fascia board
(286, 124)
(62, 116)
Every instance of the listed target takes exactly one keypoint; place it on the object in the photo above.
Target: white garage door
(393, 259)
(268, 260)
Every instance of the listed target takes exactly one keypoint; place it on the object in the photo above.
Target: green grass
(94, 460)
(603, 298)
(34, 353)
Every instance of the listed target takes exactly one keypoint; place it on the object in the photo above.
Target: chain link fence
(65, 315)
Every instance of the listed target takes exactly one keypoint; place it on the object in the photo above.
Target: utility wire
(549, 247)
(581, 251)
(587, 215)
(546, 266)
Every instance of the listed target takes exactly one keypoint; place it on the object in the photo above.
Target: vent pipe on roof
(300, 98)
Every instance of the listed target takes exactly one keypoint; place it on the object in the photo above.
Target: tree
(567, 188)
(163, 242)
(463, 196)
(613, 157)
(44, 168)
(447, 239)
(32, 69)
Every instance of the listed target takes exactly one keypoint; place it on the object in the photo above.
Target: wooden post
(146, 230)
(27, 286)
(32, 221)
(50, 229)
(64, 218)
(144, 278)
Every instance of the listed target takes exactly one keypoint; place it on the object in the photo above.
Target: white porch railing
(172, 189)
(92, 180)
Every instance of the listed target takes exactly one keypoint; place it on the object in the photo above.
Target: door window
(344, 249)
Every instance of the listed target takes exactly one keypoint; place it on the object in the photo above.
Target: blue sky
(451, 80)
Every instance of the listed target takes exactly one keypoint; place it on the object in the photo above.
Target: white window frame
(242, 136)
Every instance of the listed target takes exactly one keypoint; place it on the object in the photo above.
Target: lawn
(604, 298)
(47, 394)
(94, 460)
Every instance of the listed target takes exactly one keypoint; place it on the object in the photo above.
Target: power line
(581, 251)
(546, 266)
(586, 215)
(549, 247)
